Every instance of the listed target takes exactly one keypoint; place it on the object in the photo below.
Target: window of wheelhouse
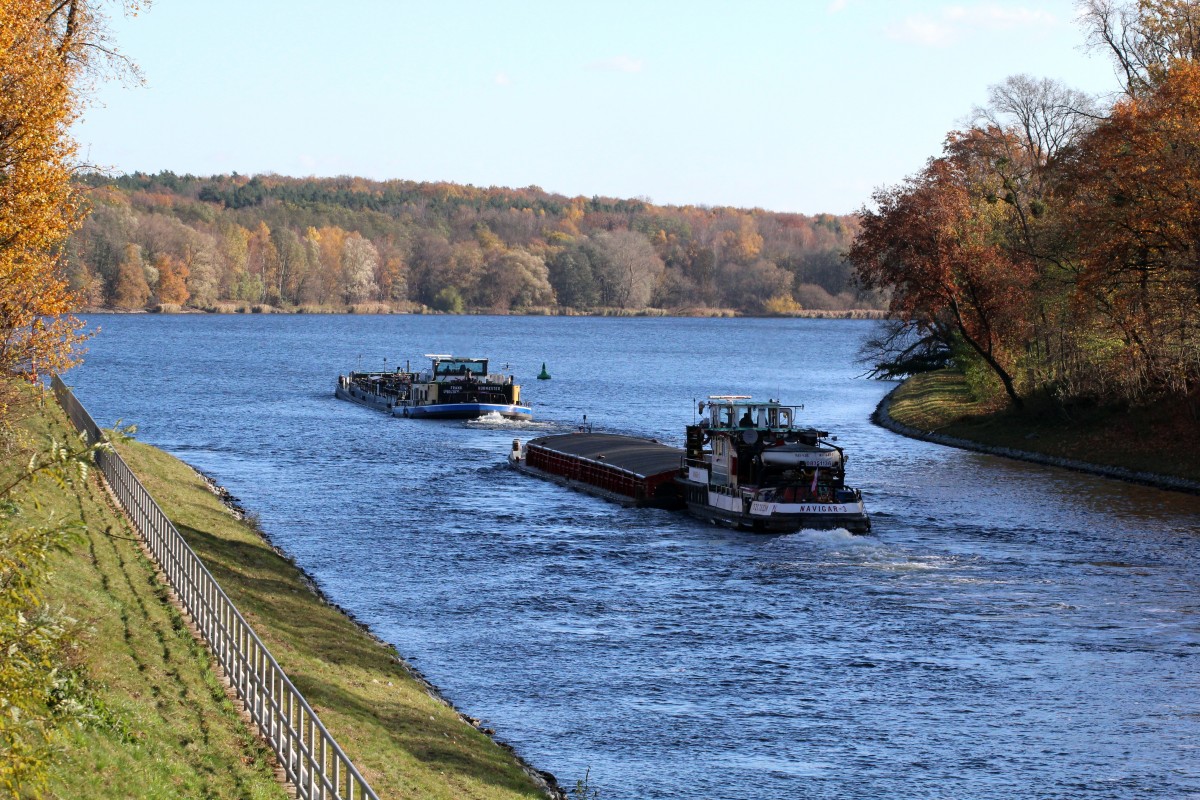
(462, 367)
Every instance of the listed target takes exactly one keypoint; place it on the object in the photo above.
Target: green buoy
(543, 375)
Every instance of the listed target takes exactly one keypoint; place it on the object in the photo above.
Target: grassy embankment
(1162, 439)
(168, 728)
(156, 721)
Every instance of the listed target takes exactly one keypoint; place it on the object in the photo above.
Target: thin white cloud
(621, 63)
(954, 22)
(996, 17)
(923, 31)
(502, 79)
(836, 6)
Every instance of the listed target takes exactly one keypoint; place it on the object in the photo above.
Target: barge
(452, 388)
(747, 465)
(624, 469)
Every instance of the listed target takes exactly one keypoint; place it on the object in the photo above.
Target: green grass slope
(1163, 439)
(406, 743)
(155, 720)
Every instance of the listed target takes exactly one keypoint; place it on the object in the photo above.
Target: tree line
(1054, 246)
(334, 243)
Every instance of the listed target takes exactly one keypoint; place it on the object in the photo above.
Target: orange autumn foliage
(932, 242)
(39, 65)
(172, 279)
(1136, 202)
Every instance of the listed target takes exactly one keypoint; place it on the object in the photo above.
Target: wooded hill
(336, 243)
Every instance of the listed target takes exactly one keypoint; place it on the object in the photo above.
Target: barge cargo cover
(635, 472)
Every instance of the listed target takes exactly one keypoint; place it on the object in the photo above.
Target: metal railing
(313, 761)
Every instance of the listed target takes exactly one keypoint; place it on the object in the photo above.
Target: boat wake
(835, 538)
(495, 420)
(839, 547)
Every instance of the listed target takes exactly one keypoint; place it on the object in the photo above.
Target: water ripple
(1010, 630)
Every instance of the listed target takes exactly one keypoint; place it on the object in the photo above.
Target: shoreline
(547, 781)
(251, 309)
(882, 417)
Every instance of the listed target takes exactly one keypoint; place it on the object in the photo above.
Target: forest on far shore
(333, 244)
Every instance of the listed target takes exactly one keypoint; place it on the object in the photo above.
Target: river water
(1008, 630)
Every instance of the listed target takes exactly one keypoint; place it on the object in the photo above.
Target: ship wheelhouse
(451, 368)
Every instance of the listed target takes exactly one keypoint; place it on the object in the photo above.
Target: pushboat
(747, 465)
(452, 388)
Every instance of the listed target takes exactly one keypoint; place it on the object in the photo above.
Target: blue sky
(800, 106)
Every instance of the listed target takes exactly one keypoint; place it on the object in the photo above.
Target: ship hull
(463, 411)
(623, 469)
(385, 404)
(376, 401)
(772, 518)
(580, 486)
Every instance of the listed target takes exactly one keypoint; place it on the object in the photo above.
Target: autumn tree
(233, 242)
(742, 242)
(392, 275)
(100, 242)
(44, 52)
(465, 271)
(754, 285)
(1136, 210)
(172, 280)
(48, 48)
(628, 269)
(431, 255)
(262, 266)
(291, 257)
(1144, 38)
(130, 289)
(700, 268)
(570, 273)
(675, 290)
(202, 258)
(331, 266)
(310, 288)
(929, 241)
(1027, 127)
(360, 260)
(515, 279)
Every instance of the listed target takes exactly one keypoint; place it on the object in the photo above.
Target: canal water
(1008, 630)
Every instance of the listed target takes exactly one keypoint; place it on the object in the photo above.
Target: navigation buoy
(543, 375)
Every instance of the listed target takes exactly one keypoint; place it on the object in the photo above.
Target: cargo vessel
(747, 465)
(624, 469)
(751, 465)
(452, 388)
